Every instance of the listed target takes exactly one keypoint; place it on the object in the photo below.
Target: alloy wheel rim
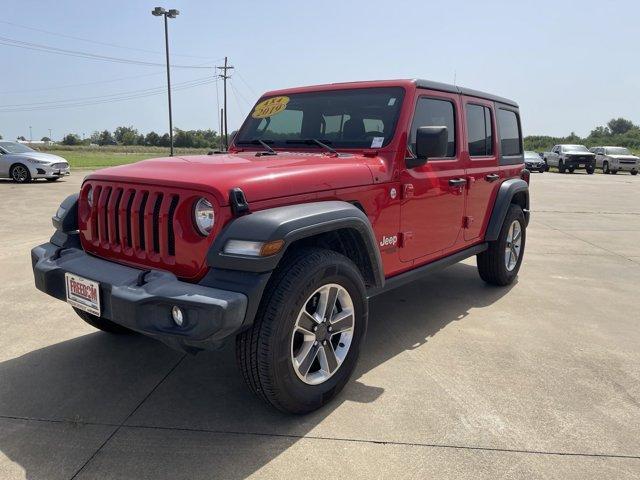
(322, 334)
(19, 173)
(513, 246)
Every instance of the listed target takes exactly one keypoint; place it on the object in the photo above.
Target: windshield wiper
(312, 141)
(269, 150)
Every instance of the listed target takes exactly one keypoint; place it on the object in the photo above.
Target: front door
(482, 171)
(433, 194)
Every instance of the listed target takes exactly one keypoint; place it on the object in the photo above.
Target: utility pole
(30, 134)
(224, 77)
(51, 139)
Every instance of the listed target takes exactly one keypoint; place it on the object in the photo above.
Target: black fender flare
(291, 223)
(508, 189)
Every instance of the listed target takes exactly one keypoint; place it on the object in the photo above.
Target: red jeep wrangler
(328, 196)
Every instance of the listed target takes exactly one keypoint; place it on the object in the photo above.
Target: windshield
(356, 118)
(574, 148)
(12, 147)
(618, 151)
(529, 154)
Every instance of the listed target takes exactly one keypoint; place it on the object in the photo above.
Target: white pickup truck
(570, 158)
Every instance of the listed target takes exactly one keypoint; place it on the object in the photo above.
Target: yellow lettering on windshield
(270, 107)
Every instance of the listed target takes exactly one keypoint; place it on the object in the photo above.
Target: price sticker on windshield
(270, 107)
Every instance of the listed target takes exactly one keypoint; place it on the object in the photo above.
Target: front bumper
(535, 165)
(143, 302)
(48, 171)
(577, 163)
(624, 167)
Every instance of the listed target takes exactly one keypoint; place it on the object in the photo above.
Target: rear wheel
(305, 340)
(614, 172)
(634, 172)
(20, 174)
(101, 323)
(572, 169)
(605, 168)
(500, 263)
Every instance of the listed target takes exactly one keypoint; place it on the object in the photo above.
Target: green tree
(45, 139)
(126, 135)
(105, 138)
(71, 139)
(620, 125)
(152, 139)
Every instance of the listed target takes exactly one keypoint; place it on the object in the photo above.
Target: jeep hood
(261, 178)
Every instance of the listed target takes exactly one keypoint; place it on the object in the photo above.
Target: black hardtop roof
(445, 87)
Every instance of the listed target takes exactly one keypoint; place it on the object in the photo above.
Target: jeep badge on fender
(278, 244)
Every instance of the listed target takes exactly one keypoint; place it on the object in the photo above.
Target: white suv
(614, 159)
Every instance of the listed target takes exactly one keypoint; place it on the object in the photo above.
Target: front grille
(60, 165)
(137, 222)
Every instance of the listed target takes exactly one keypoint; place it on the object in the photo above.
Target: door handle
(457, 182)
(492, 177)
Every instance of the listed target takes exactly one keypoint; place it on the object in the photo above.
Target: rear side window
(480, 131)
(510, 135)
(431, 112)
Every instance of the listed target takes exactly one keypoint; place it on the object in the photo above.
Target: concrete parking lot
(457, 379)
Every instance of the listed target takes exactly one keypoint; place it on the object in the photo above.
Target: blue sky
(570, 65)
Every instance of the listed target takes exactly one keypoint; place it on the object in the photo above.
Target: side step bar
(417, 273)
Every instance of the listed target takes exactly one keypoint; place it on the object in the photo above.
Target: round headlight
(90, 197)
(203, 216)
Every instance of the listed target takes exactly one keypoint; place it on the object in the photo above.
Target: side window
(431, 112)
(479, 130)
(510, 135)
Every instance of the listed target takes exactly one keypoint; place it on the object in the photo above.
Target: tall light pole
(173, 13)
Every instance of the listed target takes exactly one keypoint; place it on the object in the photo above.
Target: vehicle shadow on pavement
(201, 421)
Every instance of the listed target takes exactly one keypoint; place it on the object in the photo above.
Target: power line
(91, 56)
(48, 32)
(208, 81)
(130, 92)
(253, 92)
(74, 85)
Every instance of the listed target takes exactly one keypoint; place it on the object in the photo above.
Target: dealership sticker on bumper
(83, 294)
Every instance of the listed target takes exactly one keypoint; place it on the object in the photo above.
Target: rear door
(433, 194)
(482, 172)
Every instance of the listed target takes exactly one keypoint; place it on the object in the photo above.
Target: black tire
(614, 172)
(263, 352)
(542, 170)
(561, 167)
(52, 179)
(605, 168)
(572, 169)
(591, 170)
(102, 323)
(23, 177)
(491, 262)
(634, 172)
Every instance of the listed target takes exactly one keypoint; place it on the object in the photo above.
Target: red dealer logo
(85, 291)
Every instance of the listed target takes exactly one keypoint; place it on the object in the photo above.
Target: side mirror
(431, 142)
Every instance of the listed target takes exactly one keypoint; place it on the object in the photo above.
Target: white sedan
(23, 164)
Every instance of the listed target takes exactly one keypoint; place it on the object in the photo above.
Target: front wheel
(591, 170)
(500, 263)
(20, 174)
(305, 340)
(634, 172)
(605, 168)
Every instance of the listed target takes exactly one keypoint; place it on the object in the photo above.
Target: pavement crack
(119, 426)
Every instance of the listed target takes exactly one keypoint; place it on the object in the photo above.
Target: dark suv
(328, 196)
